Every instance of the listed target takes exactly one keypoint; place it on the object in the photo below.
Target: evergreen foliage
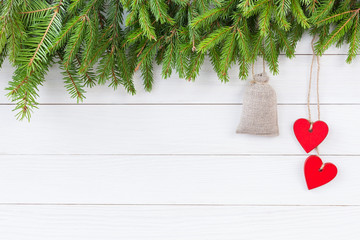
(107, 41)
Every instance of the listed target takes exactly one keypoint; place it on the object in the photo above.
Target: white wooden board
(168, 129)
(178, 222)
(168, 164)
(339, 84)
(241, 180)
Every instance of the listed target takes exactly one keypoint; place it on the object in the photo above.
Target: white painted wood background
(168, 165)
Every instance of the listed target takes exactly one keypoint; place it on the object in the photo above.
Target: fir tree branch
(75, 44)
(227, 55)
(145, 23)
(338, 32)
(56, 11)
(89, 79)
(354, 41)
(196, 59)
(210, 16)
(264, 20)
(299, 14)
(335, 17)
(324, 8)
(176, 34)
(169, 54)
(213, 39)
(41, 10)
(148, 52)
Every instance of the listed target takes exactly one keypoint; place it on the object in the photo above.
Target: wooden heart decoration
(310, 139)
(316, 177)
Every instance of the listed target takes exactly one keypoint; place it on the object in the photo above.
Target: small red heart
(316, 177)
(310, 139)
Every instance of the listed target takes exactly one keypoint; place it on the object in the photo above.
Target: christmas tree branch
(93, 43)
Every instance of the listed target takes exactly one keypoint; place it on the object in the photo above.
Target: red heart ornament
(310, 139)
(316, 177)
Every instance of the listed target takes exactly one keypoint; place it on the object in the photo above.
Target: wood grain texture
(339, 84)
(177, 223)
(166, 130)
(244, 180)
(167, 165)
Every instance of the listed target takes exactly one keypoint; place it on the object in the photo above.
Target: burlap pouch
(259, 115)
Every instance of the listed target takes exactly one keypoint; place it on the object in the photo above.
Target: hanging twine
(263, 64)
(317, 58)
(253, 70)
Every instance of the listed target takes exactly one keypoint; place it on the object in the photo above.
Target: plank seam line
(185, 154)
(177, 104)
(325, 54)
(180, 205)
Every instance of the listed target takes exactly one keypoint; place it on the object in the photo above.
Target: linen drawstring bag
(259, 114)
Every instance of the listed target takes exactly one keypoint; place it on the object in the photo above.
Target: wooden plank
(166, 129)
(173, 223)
(81, 179)
(338, 85)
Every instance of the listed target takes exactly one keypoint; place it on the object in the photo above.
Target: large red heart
(310, 139)
(316, 177)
